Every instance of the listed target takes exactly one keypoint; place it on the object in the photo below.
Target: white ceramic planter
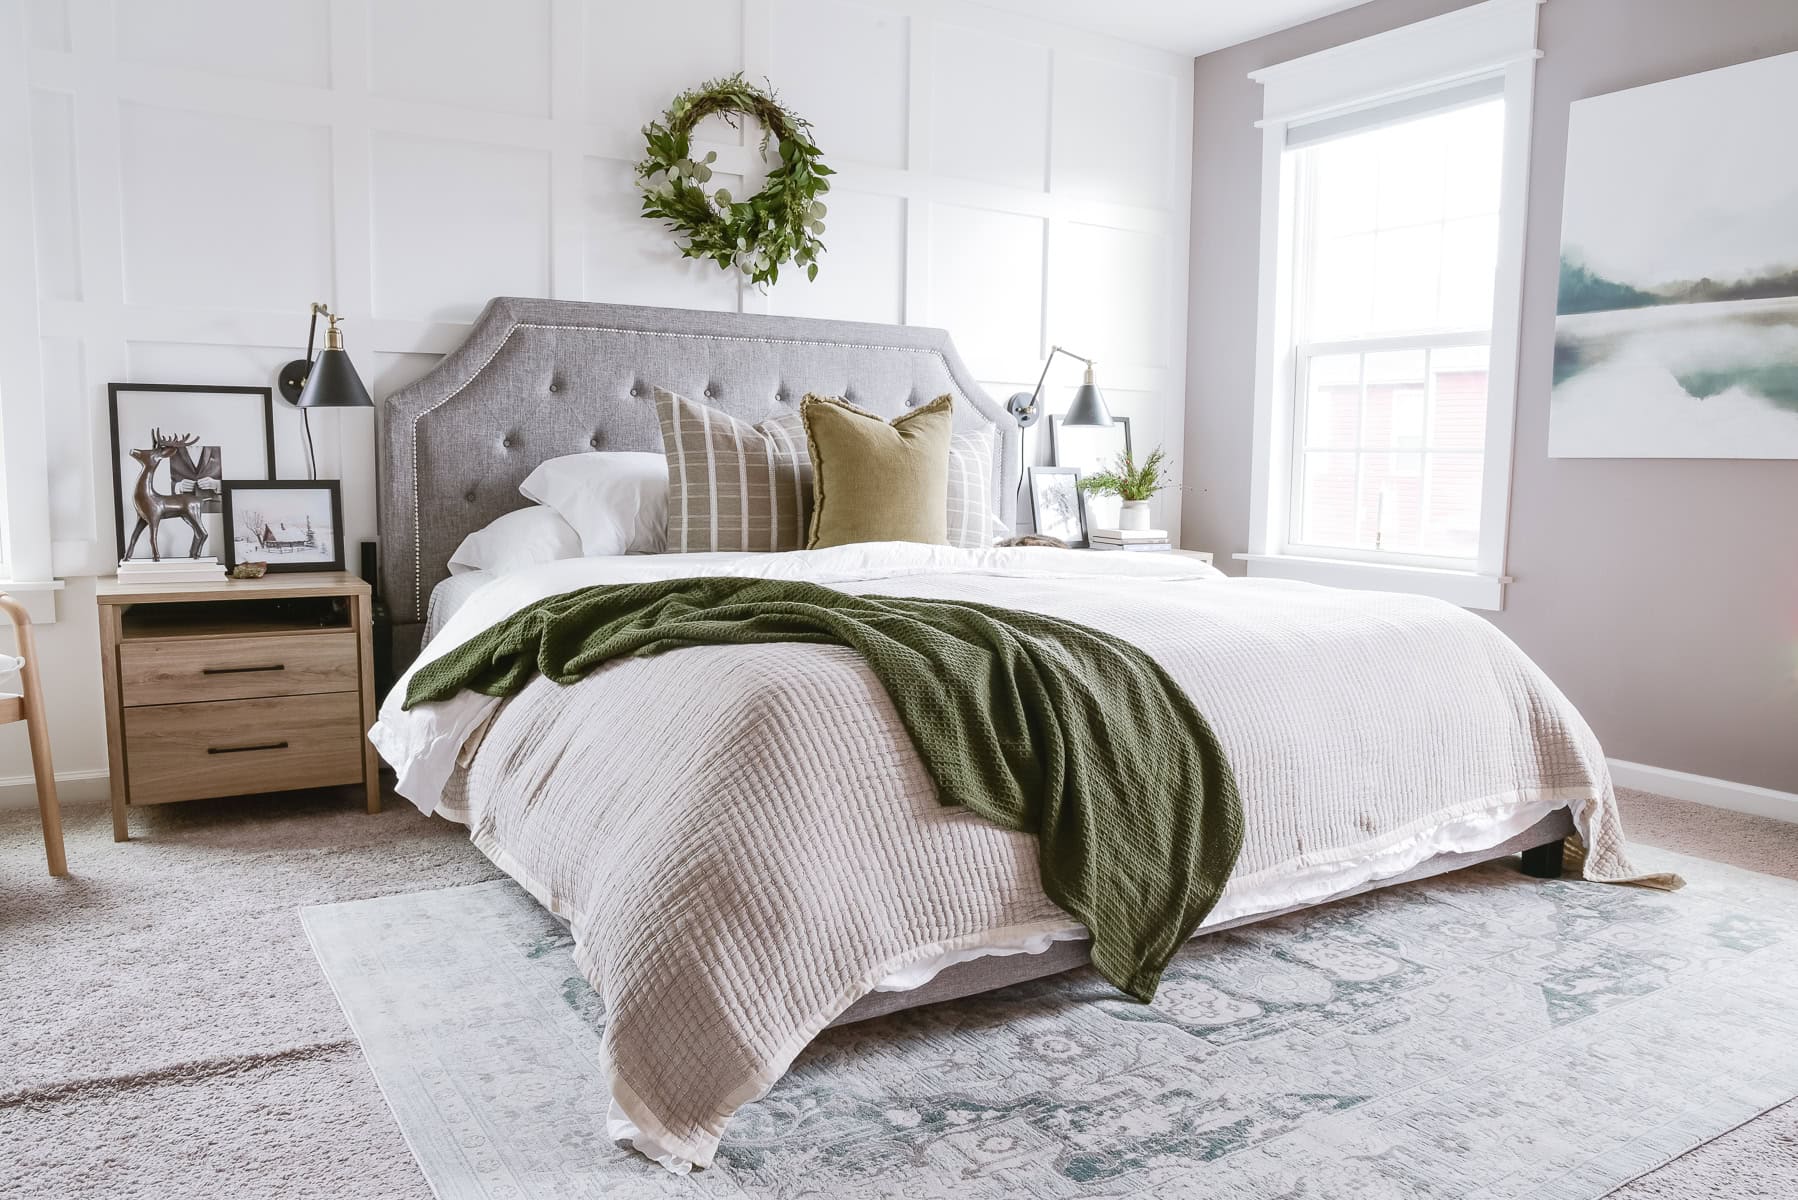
(1134, 515)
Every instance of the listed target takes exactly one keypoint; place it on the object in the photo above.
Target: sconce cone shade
(333, 383)
(1088, 407)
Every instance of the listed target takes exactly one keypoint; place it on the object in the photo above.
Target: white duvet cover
(1368, 732)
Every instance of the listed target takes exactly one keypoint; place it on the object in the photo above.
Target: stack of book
(170, 570)
(1129, 539)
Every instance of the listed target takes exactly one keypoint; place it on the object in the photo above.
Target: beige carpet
(166, 1031)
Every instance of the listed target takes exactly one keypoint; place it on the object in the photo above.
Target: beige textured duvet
(745, 841)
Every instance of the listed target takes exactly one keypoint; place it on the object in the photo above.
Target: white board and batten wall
(201, 170)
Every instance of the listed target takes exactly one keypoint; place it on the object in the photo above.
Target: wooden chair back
(29, 708)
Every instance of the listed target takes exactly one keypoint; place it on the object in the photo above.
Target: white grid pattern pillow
(973, 525)
(733, 485)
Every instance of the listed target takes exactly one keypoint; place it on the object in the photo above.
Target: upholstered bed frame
(536, 379)
(541, 378)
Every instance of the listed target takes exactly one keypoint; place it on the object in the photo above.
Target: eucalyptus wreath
(757, 236)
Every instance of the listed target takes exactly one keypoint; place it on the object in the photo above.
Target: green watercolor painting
(1676, 302)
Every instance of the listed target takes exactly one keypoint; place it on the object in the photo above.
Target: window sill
(39, 598)
(1469, 589)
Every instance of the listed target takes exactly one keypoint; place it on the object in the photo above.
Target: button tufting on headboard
(602, 362)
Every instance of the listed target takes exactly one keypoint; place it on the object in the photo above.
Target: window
(1393, 188)
(1396, 249)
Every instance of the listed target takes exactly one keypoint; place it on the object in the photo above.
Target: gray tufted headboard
(541, 378)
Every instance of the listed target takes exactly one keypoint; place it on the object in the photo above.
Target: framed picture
(1676, 316)
(172, 445)
(290, 524)
(1089, 448)
(1055, 504)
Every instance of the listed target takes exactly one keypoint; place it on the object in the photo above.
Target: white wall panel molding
(24, 475)
(47, 24)
(553, 194)
(470, 54)
(567, 165)
(280, 40)
(227, 327)
(406, 159)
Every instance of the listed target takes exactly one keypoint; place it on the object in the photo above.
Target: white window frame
(1493, 40)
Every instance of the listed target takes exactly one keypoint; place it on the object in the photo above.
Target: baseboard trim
(72, 787)
(1703, 789)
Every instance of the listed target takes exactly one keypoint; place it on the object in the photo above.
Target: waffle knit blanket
(1037, 724)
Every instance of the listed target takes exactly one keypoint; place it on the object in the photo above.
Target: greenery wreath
(757, 236)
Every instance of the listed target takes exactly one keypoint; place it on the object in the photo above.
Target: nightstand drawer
(182, 671)
(231, 747)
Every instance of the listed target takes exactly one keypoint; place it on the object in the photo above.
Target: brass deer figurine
(152, 506)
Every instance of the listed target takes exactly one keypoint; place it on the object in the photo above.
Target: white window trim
(1493, 39)
(25, 504)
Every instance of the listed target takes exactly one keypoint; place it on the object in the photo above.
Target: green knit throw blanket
(1033, 723)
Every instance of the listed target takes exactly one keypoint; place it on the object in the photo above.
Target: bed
(742, 838)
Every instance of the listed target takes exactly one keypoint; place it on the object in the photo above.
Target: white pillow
(515, 541)
(616, 500)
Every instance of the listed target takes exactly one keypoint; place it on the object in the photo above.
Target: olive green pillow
(874, 480)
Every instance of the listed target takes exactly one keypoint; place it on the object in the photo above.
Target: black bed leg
(1544, 862)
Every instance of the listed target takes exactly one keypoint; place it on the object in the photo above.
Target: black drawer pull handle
(245, 749)
(241, 670)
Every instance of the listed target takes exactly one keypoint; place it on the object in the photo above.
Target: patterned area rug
(1476, 1035)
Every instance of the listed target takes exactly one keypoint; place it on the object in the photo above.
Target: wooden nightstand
(239, 686)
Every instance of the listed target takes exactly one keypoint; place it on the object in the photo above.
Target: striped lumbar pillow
(973, 525)
(733, 485)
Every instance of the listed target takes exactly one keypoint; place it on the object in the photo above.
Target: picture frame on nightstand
(180, 440)
(1055, 504)
(290, 524)
(1090, 448)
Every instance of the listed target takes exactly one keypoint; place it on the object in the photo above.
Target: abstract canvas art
(1676, 327)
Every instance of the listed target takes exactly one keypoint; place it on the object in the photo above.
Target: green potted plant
(1132, 484)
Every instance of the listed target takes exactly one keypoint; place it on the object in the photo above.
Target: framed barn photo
(173, 444)
(290, 524)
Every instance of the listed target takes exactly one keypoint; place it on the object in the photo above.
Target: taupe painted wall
(1662, 595)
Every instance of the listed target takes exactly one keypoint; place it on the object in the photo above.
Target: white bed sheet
(450, 595)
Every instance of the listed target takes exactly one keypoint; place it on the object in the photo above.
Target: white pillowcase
(616, 500)
(515, 541)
